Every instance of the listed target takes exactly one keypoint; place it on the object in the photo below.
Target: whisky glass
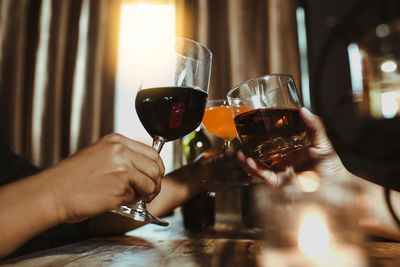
(267, 119)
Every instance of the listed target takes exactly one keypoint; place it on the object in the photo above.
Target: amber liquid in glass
(270, 134)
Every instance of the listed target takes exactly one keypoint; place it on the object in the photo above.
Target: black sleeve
(13, 168)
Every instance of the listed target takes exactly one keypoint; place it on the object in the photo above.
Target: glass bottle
(198, 212)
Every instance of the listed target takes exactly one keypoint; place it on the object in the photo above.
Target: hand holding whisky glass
(267, 119)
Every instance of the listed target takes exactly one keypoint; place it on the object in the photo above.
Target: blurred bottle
(198, 212)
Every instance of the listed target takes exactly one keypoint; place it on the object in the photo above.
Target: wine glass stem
(227, 144)
(158, 143)
(141, 206)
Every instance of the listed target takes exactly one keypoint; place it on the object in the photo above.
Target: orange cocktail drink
(219, 122)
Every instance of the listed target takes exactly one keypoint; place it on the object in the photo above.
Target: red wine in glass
(170, 112)
(171, 100)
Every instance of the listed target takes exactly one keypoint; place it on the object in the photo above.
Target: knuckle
(121, 188)
(150, 187)
(117, 149)
(114, 137)
(154, 171)
(153, 155)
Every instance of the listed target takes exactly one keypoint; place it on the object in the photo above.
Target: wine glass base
(140, 215)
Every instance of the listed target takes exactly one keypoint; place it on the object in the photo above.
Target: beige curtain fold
(248, 38)
(57, 69)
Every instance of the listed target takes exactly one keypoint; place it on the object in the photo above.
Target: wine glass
(171, 100)
(218, 120)
(267, 120)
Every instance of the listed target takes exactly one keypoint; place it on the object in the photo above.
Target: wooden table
(157, 246)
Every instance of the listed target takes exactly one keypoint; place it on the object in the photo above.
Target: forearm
(26, 210)
(377, 219)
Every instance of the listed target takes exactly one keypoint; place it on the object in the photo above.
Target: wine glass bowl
(218, 120)
(170, 112)
(267, 118)
(171, 100)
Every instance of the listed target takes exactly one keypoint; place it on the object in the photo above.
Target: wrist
(54, 209)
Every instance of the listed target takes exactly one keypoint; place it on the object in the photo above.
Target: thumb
(319, 140)
(314, 125)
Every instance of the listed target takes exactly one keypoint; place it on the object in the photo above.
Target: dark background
(369, 148)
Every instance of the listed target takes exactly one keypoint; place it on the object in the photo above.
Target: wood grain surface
(172, 246)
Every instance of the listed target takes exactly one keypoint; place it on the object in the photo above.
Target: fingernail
(252, 164)
(240, 155)
(308, 114)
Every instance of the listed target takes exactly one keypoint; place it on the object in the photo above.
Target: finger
(241, 157)
(268, 176)
(320, 143)
(129, 196)
(242, 162)
(309, 119)
(149, 168)
(141, 183)
(150, 197)
(140, 148)
(314, 125)
(252, 168)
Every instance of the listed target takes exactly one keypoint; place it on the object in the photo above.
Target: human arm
(322, 162)
(98, 178)
(177, 187)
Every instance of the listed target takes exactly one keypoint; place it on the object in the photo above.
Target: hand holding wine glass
(171, 100)
(268, 122)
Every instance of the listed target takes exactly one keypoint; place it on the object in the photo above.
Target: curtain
(248, 38)
(57, 71)
(58, 63)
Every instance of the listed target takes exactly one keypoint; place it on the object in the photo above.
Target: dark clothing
(13, 168)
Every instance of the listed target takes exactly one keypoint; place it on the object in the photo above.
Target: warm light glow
(313, 238)
(144, 28)
(279, 123)
(308, 181)
(382, 30)
(389, 66)
(390, 104)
